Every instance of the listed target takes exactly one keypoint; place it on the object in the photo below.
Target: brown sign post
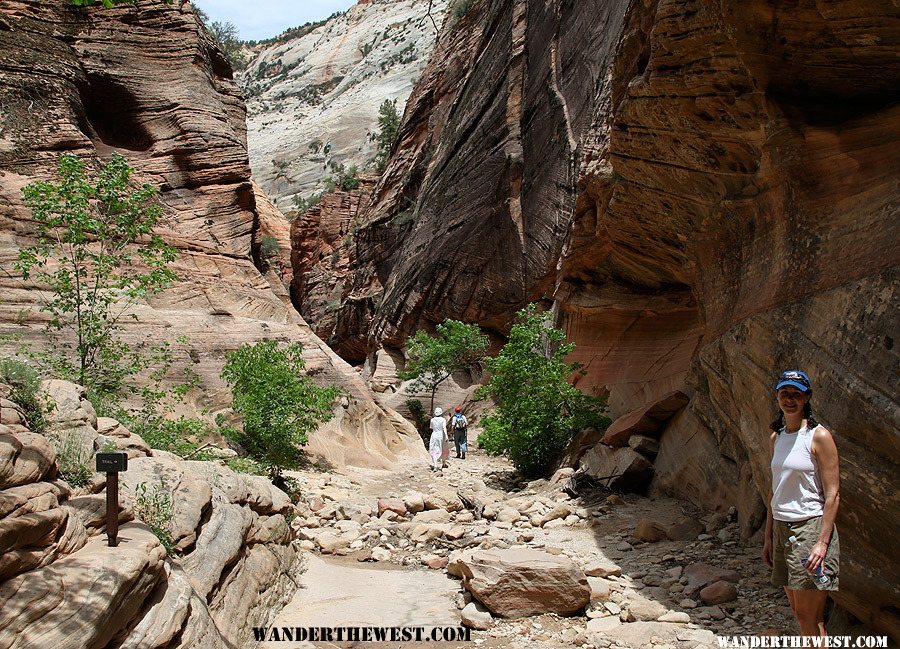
(112, 464)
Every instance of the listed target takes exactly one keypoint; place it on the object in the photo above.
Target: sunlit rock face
(706, 193)
(149, 83)
(313, 93)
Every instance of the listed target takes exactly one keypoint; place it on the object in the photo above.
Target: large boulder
(520, 582)
(619, 468)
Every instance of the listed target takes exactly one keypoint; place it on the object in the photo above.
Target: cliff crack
(554, 77)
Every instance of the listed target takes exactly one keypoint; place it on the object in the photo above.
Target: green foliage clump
(108, 4)
(25, 381)
(388, 126)
(344, 179)
(180, 436)
(538, 411)
(225, 34)
(72, 458)
(245, 465)
(420, 419)
(304, 204)
(154, 507)
(461, 7)
(97, 255)
(279, 405)
(269, 247)
(432, 359)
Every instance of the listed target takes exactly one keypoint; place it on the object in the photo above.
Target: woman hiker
(439, 440)
(804, 505)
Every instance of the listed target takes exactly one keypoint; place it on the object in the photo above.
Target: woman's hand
(816, 558)
(767, 552)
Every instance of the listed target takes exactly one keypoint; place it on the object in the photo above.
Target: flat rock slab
(335, 593)
(521, 582)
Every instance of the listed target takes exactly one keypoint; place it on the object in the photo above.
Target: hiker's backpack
(459, 422)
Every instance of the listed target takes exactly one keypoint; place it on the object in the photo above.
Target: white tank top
(796, 490)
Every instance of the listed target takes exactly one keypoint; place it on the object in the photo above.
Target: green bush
(279, 405)
(154, 507)
(180, 436)
(461, 7)
(420, 419)
(538, 411)
(25, 381)
(302, 204)
(245, 465)
(72, 458)
(344, 179)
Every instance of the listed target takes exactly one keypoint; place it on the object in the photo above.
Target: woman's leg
(809, 609)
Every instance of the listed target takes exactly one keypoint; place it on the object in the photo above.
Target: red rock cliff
(707, 193)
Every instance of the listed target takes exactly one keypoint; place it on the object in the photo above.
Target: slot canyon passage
(700, 194)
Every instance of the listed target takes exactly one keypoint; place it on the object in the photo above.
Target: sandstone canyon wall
(150, 83)
(705, 192)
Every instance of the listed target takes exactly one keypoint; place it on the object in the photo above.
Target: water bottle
(820, 579)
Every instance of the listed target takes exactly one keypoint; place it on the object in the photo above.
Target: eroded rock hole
(111, 112)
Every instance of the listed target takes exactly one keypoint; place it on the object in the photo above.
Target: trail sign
(111, 464)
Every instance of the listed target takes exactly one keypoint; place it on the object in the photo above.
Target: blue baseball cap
(794, 378)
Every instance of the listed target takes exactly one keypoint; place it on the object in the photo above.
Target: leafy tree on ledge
(432, 359)
(388, 126)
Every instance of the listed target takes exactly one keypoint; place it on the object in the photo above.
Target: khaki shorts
(787, 569)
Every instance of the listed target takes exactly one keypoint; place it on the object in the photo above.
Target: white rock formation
(314, 99)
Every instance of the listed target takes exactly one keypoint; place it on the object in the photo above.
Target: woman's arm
(768, 539)
(825, 452)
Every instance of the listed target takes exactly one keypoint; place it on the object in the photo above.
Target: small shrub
(345, 179)
(154, 507)
(269, 247)
(245, 465)
(420, 419)
(25, 381)
(305, 204)
(404, 218)
(461, 7)
(72, 458)
(179, 436)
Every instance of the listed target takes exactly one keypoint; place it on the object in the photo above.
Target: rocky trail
(388, 548)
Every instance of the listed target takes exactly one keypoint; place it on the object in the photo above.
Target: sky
(258, 19)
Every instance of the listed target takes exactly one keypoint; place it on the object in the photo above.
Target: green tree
(98, 256)
(538, 411)
(109, 4)
(432, 359)
(342, 178)
(226, 36)
(279, 405)
(388, 126)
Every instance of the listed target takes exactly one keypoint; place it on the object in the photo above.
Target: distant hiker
(801, 541)
(438, 439)
(459, 425)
